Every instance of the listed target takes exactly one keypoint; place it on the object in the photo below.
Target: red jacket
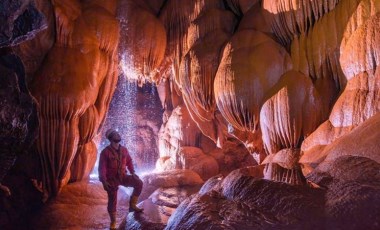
(112, 163)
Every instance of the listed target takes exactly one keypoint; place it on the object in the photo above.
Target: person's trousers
(126, 181)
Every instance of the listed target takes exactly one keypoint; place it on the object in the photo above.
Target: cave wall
(269, 73)
(291, 81)
(73, 88)
(266, 73)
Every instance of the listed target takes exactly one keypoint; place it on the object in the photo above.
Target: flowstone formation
(270, 107)
(73, 88)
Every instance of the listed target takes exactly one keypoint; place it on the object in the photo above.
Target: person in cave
(114, 159)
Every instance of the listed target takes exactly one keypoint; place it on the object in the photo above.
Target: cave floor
(81, 205)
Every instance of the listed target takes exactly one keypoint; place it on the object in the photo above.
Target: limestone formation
(74, 87)
(286, 118)
(251, 65)
(143, 41)
(276, 101)
(207, 35)
(289, 19)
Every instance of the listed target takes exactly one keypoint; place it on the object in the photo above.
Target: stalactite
(291, 113)
(240, 7)
(177, 18)
(206, 36)
(317, 52)
(143, 41)
(251, 65)
(289, 19)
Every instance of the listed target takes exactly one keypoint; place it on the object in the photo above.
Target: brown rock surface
(80, 205)
(362, 141)
(18, 114)
(179, 131)
(158, 208)
(352, 190)
(143, 41)
(232, 156)
(286, 78)
(251, 65)
(245, 201)
(170, 178)
(74, 87)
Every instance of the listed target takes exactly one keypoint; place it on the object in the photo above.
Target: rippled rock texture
(290, 85)
(348, 198)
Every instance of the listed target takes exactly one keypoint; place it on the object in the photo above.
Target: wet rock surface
(172, 197)
(172, 178)
(158, 208)
(154, 217)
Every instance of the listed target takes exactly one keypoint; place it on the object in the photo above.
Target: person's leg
(111, 207)
(136, 184)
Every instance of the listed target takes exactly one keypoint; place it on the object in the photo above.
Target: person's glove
(135, 176)
(106, 185)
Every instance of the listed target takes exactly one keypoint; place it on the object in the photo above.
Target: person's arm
(102, 169)
(130, 163)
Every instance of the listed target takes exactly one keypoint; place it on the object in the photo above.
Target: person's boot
(133, 203)
(113, 220)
